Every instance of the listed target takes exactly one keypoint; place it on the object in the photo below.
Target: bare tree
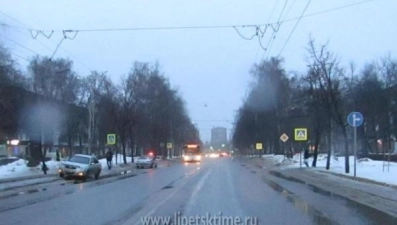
(329, 74)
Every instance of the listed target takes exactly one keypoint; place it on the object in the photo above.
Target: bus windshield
(192, 150)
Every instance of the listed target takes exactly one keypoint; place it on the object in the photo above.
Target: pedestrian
(57, 155)
(306, 157)
(109, 158)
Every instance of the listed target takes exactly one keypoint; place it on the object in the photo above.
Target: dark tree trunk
(329, 147)
(123, 146)
(70, 145)
(132, 146)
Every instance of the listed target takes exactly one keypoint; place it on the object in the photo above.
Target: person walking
(306, 157)
(109, 158)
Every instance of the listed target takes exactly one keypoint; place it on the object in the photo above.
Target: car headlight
(79, 169)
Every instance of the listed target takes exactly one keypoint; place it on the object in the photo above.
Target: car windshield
(185, 111)
(80, 159)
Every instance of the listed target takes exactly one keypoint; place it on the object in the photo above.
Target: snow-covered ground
(19, 168)
(365, 168)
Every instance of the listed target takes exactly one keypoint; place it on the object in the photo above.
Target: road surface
(216, 188)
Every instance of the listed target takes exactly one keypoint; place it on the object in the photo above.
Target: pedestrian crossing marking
(301, 134)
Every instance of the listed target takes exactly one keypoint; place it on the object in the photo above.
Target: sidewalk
(117, 169)
(374, 196)
(365, 192)
(53, 172)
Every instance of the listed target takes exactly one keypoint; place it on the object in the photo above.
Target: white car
(146, 161)
(81, 166)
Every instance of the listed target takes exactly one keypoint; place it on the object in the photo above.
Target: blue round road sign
(355, 119)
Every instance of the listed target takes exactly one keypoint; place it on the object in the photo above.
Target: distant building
(218, 137)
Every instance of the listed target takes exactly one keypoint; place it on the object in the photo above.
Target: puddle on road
(167, 187)
(286, 178)
(125, 172)
(258, 166)
(317, 216)
(370, 214)
(32, 191)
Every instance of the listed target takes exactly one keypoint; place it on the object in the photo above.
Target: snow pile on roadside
(279, 160)
(119, 161)
(52, 165)
(19, 168)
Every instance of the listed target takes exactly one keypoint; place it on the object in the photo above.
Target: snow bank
(365, 168)
(19, 169)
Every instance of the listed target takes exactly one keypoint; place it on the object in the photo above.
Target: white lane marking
(233, 196)
(198, 187)
(151, 212)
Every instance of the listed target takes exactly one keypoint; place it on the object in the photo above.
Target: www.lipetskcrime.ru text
(207, 219)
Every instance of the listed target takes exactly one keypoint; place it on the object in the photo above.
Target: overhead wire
(242, 36)
(201, 27)
(293, 29)
(12, 18)
(29, 29)
(12, 53)
(270, 17)
(20, 45)
(275, 26)
(274, 8)
(289, 9)
(328, 10)
(271, 40)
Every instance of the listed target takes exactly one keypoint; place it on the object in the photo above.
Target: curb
(366, 206)
(14, 179)
(114, 174)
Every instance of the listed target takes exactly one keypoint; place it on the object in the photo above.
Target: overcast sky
(210, 67)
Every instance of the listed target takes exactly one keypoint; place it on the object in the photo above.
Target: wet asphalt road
(215, 187)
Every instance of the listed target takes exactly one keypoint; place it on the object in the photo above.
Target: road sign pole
(300, 157)
(355, 119)
(355, 149)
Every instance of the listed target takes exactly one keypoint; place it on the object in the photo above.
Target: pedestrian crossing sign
(111, 139)
(259, 146)
(300, 134)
